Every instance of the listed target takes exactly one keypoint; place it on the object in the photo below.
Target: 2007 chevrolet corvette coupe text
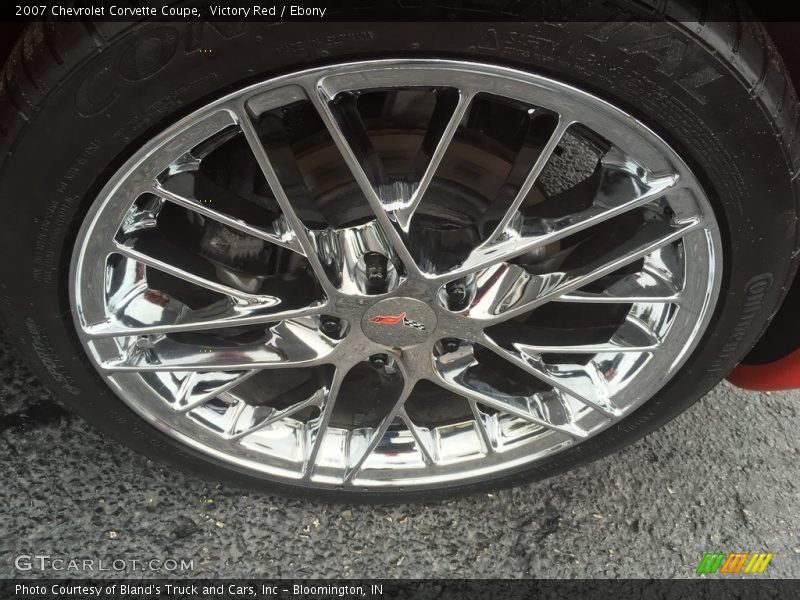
(399, 261)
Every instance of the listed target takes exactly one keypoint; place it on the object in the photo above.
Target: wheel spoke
(315, 435)
(655, 283)
(238, 213)
(192, 136)
(533, 175)
(184, 265)
(305, 240)
(373, 437)
(255, 422)
(422, 438)
(507, 290)
(620, 192)
(582, 384)
(272, 417)
(487, 435)
(347, 132)
(631, 336)
(146, 311)
(288, 344)
(452, 377)
(619, 295)
(210, 318)
(221, 382)
(404, 213)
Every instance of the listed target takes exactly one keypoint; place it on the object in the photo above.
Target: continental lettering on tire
(755, 290)
(43, 349)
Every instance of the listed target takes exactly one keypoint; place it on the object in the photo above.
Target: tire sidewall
(152, 74)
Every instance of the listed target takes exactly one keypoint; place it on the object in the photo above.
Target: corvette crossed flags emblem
(395, 319)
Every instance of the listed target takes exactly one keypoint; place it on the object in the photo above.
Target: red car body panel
(782, 374)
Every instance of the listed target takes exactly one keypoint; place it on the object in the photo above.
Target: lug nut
(330, 325)
(376, 269)
(456, 294)
(450, 344)
(378, 361)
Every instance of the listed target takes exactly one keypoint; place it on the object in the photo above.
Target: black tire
(77, 99)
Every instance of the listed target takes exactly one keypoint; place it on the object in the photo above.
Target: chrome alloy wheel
(397, 274)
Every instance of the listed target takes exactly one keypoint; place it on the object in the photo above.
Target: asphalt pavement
(725, 476)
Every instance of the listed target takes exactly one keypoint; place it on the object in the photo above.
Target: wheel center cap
(399, 322)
